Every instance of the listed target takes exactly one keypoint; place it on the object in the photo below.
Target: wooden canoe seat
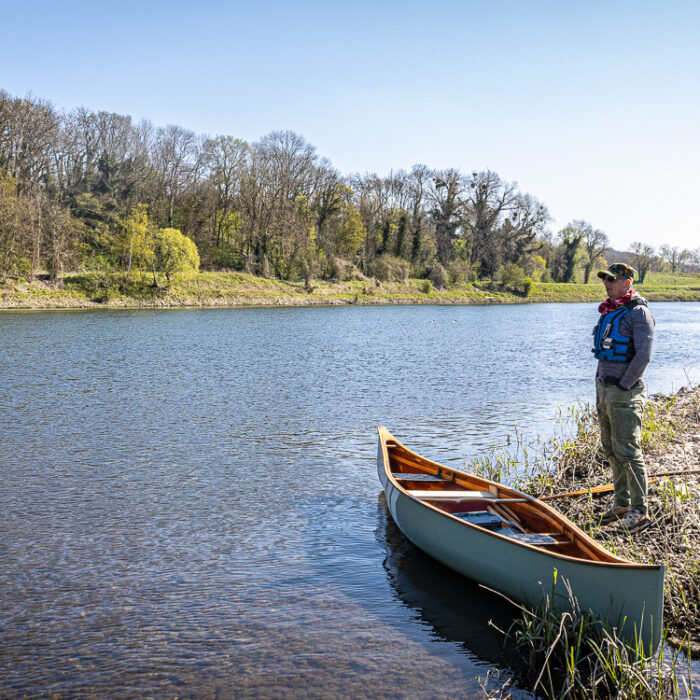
(539, 539)
(531, 538)
(402, 476)
(482, 518)
(438, 495)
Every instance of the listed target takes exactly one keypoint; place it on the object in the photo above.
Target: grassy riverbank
(671, 442)
(231, 289)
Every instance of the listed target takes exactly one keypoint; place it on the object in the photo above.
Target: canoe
(514, 543)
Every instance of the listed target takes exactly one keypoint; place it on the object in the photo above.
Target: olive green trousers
(620, 420)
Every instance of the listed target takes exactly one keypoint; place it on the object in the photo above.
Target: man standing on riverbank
(622, 342)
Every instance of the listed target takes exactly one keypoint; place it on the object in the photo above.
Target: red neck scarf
(609, 305)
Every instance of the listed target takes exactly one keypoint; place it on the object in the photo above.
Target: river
(189, 503)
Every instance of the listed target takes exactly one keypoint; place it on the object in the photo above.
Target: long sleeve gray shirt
(638, 324)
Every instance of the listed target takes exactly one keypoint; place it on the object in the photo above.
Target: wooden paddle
(604, 488)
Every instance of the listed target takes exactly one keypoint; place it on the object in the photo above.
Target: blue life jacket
(609, 343)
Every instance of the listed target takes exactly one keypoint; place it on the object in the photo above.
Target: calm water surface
(189, 504)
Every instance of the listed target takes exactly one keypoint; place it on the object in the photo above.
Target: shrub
(226, 257)
(389, 268)
(437, 275)
(458, 271)
(97, 263)
(510, 276)
(343, 270)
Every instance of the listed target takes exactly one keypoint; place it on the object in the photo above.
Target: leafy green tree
(174, 253)
(401, 243)
(133, 244)
(570, 245)
(351, 232)
(227, 251)
(537, 268)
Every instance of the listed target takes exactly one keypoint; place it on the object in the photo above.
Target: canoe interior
(485, 504)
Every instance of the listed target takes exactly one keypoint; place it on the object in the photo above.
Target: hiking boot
(635, 521)
(613, 513)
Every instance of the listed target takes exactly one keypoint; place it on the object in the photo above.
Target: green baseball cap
(618, 270)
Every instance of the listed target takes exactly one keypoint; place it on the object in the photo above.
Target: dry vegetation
(672, 444)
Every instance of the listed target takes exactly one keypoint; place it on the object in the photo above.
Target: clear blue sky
(593, 107)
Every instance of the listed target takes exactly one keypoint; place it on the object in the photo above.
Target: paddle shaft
(604, 488)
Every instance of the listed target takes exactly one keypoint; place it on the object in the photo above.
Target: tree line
(94, 191)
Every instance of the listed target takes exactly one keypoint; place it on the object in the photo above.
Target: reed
(563, 652)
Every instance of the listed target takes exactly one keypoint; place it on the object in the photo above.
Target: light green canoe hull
(629, 596)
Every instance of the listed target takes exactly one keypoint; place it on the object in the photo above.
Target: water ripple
(188, 503)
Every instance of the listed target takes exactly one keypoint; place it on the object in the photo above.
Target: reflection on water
(188, 500)
(456, 609)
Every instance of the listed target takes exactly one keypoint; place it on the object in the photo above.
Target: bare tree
(286, 166)
(28, 134)
(9, 229)
(499, 220)
(100, 154)
(176, 158)
(522, 230)
(227, 161)
(642, 258)
(256, 210)
(694, 259)
(369, 197)
(675, 257)
(594, 242)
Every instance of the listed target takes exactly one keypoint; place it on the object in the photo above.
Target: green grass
(109, 289)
